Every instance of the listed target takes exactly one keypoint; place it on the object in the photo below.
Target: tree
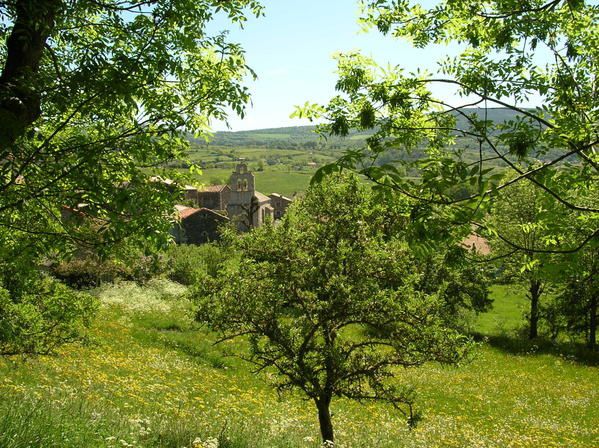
(96, 96)
(461, 283)
(531, 219)
(511, 52)
(329, 301)
(578, 302)
(576, 306)
(94, 91)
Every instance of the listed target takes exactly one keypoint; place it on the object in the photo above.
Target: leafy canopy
(331, 301)
(94, 96)
(512, 52)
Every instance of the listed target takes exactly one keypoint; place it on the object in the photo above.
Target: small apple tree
(329, 301)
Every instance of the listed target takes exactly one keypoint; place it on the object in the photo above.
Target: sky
(291, 49)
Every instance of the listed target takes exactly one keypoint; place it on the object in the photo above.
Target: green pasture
(284, 181)
(507, 316)
(285, 171)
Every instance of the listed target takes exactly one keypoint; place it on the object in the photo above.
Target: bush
(44, 317)
(188, 264)
(90, 271)
(86, 272)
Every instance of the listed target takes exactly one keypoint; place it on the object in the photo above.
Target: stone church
(214, 205)
(207, 209)
(247, 208)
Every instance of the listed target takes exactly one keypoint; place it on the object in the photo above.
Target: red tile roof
(477, 243)
(187, 212)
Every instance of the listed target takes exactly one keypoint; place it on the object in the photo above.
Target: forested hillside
(286, 158)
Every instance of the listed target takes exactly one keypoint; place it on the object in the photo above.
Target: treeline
(298, 137)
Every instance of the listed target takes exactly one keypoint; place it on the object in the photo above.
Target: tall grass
(154, 378)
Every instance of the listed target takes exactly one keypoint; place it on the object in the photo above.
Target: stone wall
(199, 227)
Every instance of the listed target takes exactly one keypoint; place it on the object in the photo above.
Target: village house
(214, 197)
(279, 204)
(190, 193)
(197, 225)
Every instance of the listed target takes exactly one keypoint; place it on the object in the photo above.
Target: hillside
(306, 137)
(284, 159)
(151, 377)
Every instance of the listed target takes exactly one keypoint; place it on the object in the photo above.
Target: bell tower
(242, 184)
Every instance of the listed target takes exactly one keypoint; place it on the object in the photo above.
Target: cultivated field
(284, 171)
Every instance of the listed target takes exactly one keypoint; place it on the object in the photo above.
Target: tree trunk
(535, 294)
(593, 323)
(324, 418)
(19, 92)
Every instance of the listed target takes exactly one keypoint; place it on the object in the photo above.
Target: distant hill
(294, 137)
(305, 137)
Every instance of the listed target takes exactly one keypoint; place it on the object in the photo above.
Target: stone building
(239, 200)
(279, 204)
(190, 193)
(214, 197)
(247, 207)
(197, 225)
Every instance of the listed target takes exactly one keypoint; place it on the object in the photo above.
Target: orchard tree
(530, 219)
(512, 52)
(330, 302)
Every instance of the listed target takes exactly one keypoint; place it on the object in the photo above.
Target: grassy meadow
(284, 171)
(149, 376)
(268, 181)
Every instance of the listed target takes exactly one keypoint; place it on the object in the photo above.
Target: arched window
(238, 184)
(245, 185)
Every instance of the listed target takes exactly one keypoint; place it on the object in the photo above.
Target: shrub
(42, 318)
(86, 272)
(89, 270)
(187, 264)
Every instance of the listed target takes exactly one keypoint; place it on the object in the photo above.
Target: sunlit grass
(152, 377)
(507, 316)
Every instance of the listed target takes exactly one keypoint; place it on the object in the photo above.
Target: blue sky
(291, 49)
